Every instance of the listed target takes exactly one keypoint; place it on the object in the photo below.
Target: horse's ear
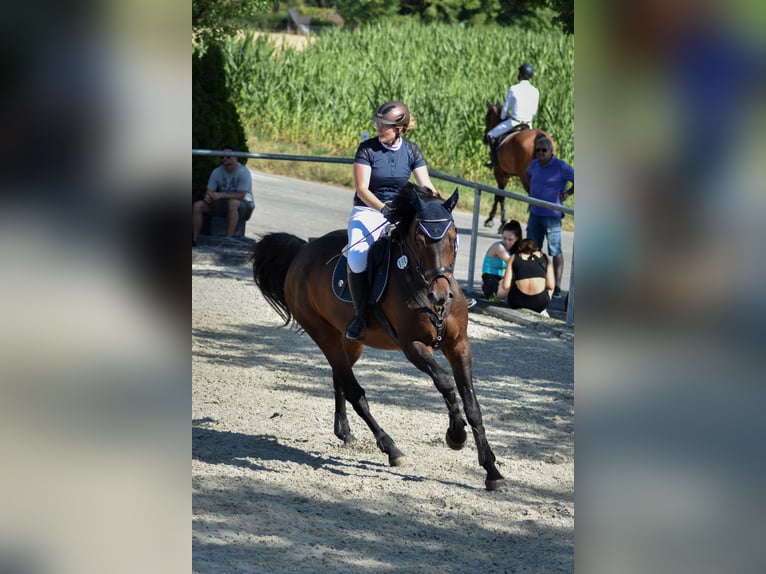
(417, 202)
(450, 204)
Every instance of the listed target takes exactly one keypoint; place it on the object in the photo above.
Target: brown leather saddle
(513, 132)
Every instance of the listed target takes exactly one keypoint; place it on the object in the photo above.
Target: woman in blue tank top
(496, 259)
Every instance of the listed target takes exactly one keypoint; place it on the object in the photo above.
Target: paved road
(309, 209)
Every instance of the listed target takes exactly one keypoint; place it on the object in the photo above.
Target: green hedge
(215, 120)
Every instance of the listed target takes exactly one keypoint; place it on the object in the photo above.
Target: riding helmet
(392, 113)
(526, 71)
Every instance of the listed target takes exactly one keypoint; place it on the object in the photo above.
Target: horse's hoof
(454, 445)
(349, 440)
(488, 223)
(397, 460)
(494, 484)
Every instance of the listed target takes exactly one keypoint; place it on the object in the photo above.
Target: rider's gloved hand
(387, 211)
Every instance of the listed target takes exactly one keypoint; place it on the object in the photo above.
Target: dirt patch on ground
(275, 491)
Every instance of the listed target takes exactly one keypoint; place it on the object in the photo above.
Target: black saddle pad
(378, 264)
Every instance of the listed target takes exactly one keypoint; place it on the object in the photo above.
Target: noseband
(429, 276)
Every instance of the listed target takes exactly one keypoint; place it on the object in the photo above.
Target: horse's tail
(271, 259)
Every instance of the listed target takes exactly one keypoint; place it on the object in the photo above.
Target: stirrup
(356, 329)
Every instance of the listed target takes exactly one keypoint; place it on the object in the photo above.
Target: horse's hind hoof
(494, 484)
(349, 440)
(488, 223)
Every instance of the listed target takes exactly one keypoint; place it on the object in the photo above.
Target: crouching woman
(528, 278)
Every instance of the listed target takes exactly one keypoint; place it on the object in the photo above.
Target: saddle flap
(514, 130)
(378, 266)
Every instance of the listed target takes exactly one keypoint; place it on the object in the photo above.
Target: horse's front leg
(459, 357)
(422, 357)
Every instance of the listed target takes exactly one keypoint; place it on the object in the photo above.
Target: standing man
(229, 193)
(522, 101)
(548, 178)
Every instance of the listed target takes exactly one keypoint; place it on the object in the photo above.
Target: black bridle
(436, 313)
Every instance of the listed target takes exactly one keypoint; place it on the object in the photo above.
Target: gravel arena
(275, 491)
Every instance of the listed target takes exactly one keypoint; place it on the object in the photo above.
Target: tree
(565, 10)
(215, 121)
(358, 12)
(213, 19)
(520, 11)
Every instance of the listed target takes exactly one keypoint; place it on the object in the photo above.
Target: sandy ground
(275, 491)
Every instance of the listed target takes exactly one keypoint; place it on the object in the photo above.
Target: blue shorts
(540, 227)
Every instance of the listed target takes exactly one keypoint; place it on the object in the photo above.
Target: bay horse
(421, 309)
(513, 157)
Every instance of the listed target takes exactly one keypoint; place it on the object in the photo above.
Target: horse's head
(493, 116)
(432, 239)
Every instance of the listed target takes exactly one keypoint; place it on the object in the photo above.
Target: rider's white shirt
(521, 103)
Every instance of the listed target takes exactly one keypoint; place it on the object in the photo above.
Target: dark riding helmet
(526, 71)
(392, 113)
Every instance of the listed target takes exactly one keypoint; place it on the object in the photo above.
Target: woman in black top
(529, 278)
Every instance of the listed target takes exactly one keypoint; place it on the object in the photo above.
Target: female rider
(382, 166)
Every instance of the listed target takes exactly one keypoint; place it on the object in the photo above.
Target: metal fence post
(570, 298)
(474, 238)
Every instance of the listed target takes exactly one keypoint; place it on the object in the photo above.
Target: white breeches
(364, 226)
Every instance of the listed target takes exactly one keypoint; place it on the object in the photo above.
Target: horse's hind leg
(422, 357)
(488, 221)
(340, 426)
(503, 219)
(321, 332)
(342, 356)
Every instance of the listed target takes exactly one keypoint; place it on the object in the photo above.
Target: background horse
(422, 308)
(513, 157)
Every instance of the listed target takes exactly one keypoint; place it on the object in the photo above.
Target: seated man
(229, 193)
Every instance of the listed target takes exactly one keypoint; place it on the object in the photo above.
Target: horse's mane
(403, 209)
(493, 109)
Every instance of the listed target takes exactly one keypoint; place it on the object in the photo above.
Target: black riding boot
(358, 286)
(492, 155)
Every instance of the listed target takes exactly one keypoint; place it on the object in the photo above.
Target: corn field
(445, 74)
